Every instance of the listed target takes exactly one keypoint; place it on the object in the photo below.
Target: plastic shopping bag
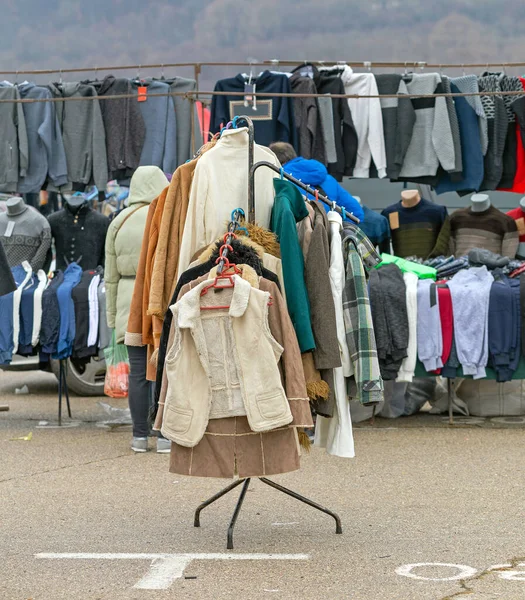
(117, 369)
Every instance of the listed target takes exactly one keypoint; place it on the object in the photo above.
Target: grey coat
(83, 134)
(183, 117)
(14, 149)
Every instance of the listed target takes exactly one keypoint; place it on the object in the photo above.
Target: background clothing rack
(247, 122)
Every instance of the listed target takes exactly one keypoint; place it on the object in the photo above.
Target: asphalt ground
(83, 517)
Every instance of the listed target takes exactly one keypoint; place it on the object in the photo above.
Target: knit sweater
(454, 126)
(497, 123)
(421, 230)
(29, 240)
(399, 118)
(469, 84)
(490, 229)
(432, 143)
(510, 84)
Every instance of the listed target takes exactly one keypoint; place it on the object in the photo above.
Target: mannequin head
(410, 198)
(479, 202)
(15, 206)
(76, 200)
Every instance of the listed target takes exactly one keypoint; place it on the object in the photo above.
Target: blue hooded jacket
(314, 173)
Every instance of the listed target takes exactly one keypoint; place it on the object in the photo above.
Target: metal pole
(197, 521)
(229, 543)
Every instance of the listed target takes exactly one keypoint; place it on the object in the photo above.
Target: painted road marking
(465, 572)
(165, 568)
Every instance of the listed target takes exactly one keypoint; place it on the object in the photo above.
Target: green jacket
(123, 245)
(288, 209)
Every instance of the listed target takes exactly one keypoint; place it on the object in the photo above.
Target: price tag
(143, 93)
(249, 90)
(394, 220)
(9, 230)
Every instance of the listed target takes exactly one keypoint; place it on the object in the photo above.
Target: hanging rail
(272, 62)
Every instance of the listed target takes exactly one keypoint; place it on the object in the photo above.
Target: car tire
(83, 379)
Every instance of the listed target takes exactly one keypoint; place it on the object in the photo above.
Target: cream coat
(223, 363)
(220, 185)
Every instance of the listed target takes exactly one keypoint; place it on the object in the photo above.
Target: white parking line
(165, 568)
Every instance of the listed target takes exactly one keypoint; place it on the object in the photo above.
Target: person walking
(123, 244)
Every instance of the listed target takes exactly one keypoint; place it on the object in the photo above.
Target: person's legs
(139, 391)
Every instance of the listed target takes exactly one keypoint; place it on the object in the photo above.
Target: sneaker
(139, 444)
(163, 446)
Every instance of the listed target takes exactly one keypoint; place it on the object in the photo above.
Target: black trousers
(140, 393)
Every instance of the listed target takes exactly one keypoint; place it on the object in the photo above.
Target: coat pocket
(272, 404)
(177, 420)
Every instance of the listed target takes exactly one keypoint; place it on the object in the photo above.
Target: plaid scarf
(358, 319)
(364, 246)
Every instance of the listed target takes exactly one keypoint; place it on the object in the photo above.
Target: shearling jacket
(123, 249)
(233, 361)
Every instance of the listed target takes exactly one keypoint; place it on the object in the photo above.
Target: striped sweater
(422, 230)
(490, 229)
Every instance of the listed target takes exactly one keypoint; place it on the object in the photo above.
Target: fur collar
(188, 310)
(213, 249)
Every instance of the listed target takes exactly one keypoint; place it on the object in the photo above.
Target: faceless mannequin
(15, 206)
(76, 201)
(410, 198)
(480, 202)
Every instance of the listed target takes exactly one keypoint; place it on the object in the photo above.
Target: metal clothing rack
(63, 390)
(245, 482)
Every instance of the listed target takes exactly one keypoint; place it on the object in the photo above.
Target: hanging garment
(219, 186)
(83, 134)
(158, 112)
(66, 336)
(422, 230)
(359, 327)
(389, 314)
(518, 107)
(326, 115)
(518, 214)
(26, 319)
(509, 84)
(489, 229)
(273, 117)
(399, 118)
(124, 126)
(470, 300)
(10, 313)
(80, 236)
(408, 366)
(80, 297)
(468, 84)
(104, 333)
(376, 229)
(94, 311)
(336, 434)
(429, 335)
(497, 124)
(186, 118)
(457, 173)
(15, 147)
(314, 174)
(470, 150)
(446, 315)
(244, 252)
(47, 156)
(123, 246)
(50, 328)
(408, 266)
(229, 446)
(432, 143)
(7, 283)
(28, 239)
(288, 209)
(307, 119)
(368, 122)
(504, 327)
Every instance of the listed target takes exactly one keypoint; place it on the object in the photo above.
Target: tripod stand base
(245, 484)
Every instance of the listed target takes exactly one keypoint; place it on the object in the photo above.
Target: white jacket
(368, 122)
(408, 366)
(220, 185)
(336, 434)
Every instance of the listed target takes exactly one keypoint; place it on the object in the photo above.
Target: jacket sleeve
(454, 125)
(39, 259)
(169, 162)
(406, 119)
(442, 139)
(23, 144)
(111, 276)
(100, 160)
(194, 236)
(442, 245)
(376, 134)
(51, 136)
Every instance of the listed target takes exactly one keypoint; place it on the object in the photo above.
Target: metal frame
(63, 389)
(246, 121)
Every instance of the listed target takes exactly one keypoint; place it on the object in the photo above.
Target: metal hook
(162, 71)
(367, 65)
(16, 78)
(138, 72)
(275, 63)
(463, 70)
(282, 173)
(422, 64)
(60, 76)
(406, 70)
(334, 206)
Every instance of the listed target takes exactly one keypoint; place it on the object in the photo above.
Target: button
(82, 228)
(72, 239)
